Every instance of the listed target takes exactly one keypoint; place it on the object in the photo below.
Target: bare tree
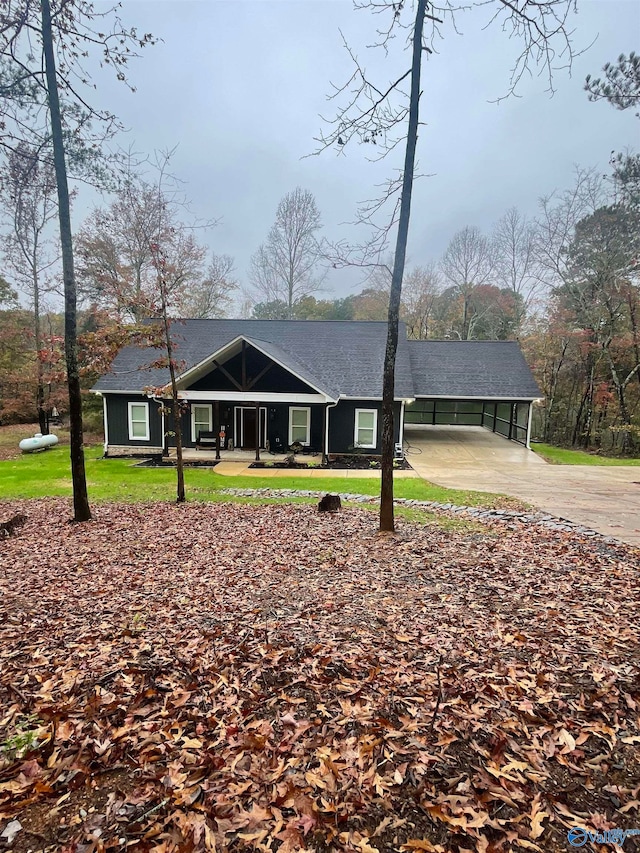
(285, 267)
(376, 115)
(27, 194)
(163, 293)
(210, 297)
(467, 263)
(43, 48)
(515, 261)
(116, 268)
(82, 511)
(555, 225)
(420, 289)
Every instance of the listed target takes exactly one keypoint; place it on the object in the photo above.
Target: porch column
(529, 416)
(165, 436)
(257, 432)
(325, 422)
(216, 426)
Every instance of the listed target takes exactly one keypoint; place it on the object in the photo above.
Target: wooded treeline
(566, 284)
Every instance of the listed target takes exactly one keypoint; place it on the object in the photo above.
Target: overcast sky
(239, 86)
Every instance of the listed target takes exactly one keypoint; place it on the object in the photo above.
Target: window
(366, 432)
(300, 425)
(200, 420)
(138, 422)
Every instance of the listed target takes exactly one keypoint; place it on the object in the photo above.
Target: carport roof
(468, 370)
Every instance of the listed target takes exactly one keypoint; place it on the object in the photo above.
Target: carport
(472, 383)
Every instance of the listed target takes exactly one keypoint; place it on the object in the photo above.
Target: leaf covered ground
(238, 677)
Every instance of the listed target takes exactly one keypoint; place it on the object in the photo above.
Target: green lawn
(47, 474)
(562, 456)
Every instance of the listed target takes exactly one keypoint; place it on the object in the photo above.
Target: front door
(246, 427)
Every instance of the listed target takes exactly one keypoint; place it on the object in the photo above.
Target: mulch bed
(171, 463)
(237, 677)
(338, 463)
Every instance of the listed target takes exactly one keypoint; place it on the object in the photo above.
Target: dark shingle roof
(342, 357)
(471, 369)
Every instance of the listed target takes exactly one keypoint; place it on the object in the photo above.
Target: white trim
(198, 368)
(273, 397)
(401, 430)
(513, 399)
(262, 433)
(208, 406)
(374, 399)
(252, 397)
(356, 428)
(130, 404)
(306, 409)
(326, 432)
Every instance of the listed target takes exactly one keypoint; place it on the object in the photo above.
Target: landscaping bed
(160, 462)
(338, 463)
(240, 677)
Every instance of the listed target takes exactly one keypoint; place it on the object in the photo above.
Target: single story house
(269, 384)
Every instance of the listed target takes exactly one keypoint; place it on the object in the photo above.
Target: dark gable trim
(216, 361)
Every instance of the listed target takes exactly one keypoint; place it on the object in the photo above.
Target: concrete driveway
(606, 499)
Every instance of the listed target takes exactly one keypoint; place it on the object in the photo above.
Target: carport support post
(529, 426)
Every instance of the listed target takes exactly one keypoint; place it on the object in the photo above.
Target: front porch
(234, 463)
(190, 454)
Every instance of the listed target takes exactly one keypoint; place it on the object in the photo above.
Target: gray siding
(277, 424)
(342, 420)
(118, 421)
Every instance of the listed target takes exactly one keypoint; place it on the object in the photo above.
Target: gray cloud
(239, 87)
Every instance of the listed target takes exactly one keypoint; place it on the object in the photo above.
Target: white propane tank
(38, 442)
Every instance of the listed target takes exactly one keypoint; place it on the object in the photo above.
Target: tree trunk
(466, 324)
(177, 425)
(177, 414)
(388, 384)
(627, 443)
(81, 509)
(43, 418)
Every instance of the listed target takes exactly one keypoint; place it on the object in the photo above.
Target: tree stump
(7, 528)
(330, 503)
